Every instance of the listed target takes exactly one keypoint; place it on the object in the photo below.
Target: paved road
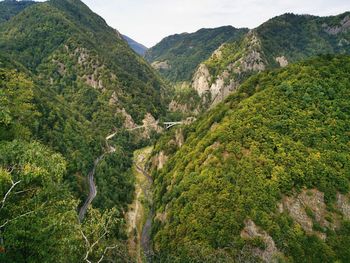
(92, 189)
(92, 186)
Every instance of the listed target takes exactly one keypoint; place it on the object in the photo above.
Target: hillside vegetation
(67, 80)
(182, 53)
(276, 43)
(10, 8)
(232, 192)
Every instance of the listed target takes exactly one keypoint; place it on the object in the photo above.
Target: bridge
(170, 124)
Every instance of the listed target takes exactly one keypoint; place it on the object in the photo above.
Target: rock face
(179, 137)
(175, 106)
(251, 231)
(128, 120)
(309, 207)
(161, 65)
(150, 124)
(343, 204)
(219, 87)
(218, 90)
(159, 160)
(201, 80)
(335, 30)
(282, 61)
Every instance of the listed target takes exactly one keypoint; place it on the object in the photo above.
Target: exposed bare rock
(162, 217)
(218, 52)
(83, 55)
(335, 30)
(176, 106)
(220, 90)
(343, 204)
(219, 87)
(161, 65)
(253, 62)
(94, 82)
(159, 160)
(189, 120)
(312, 200)
(201, 80)
(179, 137)
(296, 209)
(128, 120)
(150, 124)
(114, 99)
(252, 231)
(282, 61)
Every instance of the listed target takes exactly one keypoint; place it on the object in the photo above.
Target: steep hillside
(176, 57)
(10, 8)
(137, 47)
(55, 36)
(263, 176)
(68, 81)
(279, 41)
(84, 87)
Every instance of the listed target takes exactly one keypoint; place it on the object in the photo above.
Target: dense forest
(282, 136)
(276, 43)
(184, 52)
(65, 86)
(256, 168)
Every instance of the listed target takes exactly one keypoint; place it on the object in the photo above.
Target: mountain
(263, 176)
(10, 8)
(68, 83)
(281, 40)
(177, 56)
(137, 47)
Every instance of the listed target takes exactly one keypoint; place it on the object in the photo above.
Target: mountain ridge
(137, 47)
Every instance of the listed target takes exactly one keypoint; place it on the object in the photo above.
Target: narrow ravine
(92, 186)
(140, 213)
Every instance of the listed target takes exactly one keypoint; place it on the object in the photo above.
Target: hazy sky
(148, 21)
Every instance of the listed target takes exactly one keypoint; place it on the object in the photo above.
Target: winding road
(92, 186)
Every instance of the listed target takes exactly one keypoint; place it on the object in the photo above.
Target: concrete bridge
(170, 124)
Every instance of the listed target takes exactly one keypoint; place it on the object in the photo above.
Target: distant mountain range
(255, 169)
(137, 47)
(236, 54)
(177, 56)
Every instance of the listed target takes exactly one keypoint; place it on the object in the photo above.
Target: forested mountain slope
(262, 177)
(10, 8)
(177, 56)
(137, 47)
(276, 43)
(67, 81)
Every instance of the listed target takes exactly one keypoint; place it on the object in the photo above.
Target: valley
(139, 216)
(223, 145)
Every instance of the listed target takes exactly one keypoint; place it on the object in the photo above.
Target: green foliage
(17, 113)
(184, 52)
(65, 75)
(288, 38)
(77, 64)
(45, 32)
(298, 36)
(10, 8)
(39, 214)
(281, 132)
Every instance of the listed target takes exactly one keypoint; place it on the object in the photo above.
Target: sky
(148, 21)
